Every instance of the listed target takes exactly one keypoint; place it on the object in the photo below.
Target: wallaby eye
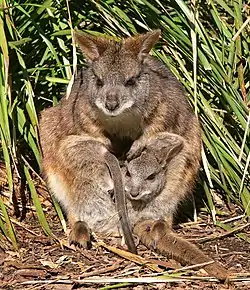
(151, 176)
(130, 82)
(99, 82)
(128, 174)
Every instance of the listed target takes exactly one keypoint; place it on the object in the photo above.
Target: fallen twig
(114, 267)
(144, 280)
(190, 267)
(130, 256)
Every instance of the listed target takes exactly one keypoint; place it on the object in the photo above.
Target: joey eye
(99, 82)
(130, 82)
(151, 176)
(128, 174)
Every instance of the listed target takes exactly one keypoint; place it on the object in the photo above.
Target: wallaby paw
(135, 150)
(80, 235)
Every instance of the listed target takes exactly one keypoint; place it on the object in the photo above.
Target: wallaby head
(144, 177)
(146, 174)
(118, 80)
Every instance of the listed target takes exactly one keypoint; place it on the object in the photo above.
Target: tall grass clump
(204, 43)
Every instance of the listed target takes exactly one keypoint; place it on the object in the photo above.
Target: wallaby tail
(120, 199)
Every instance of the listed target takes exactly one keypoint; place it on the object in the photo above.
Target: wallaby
(145, 178)
(121, 99)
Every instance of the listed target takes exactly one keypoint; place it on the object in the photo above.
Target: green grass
(206, 46)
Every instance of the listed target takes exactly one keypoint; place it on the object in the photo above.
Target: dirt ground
(44, 262)
(41, 258)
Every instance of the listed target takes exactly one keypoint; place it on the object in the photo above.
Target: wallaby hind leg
(80, 180)
(158, 235)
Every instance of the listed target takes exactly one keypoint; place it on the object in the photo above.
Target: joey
(145, 180)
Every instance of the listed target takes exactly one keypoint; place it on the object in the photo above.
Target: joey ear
(124, 170)
(174, 150)
(92, 46)
(142, 44)
(169, 152)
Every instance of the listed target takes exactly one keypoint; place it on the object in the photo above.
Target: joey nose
(112, 102)
(134, 192)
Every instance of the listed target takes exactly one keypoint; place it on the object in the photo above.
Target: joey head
(146, 174)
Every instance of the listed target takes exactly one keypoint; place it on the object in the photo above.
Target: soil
(42, 259)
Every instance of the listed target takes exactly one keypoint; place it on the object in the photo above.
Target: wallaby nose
(112, 102)
(134, 192)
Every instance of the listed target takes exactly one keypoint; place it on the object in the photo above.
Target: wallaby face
(118, 82)
(117, 85)
(145, 177)
(146, 174)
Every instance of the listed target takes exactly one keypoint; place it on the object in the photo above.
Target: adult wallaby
(123, 98)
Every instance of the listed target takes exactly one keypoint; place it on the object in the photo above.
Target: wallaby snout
(135, 191)
(112, 102)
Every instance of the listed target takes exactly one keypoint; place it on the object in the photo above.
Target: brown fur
(120, 199)
(145, 99)
(146, 174)
(145, 182)
(159, 236)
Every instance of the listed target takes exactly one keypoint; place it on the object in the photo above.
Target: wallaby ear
(142, 44)
(91, 46)
(165, 151)
(174, 150)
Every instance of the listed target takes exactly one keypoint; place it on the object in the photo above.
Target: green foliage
(206, 46)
